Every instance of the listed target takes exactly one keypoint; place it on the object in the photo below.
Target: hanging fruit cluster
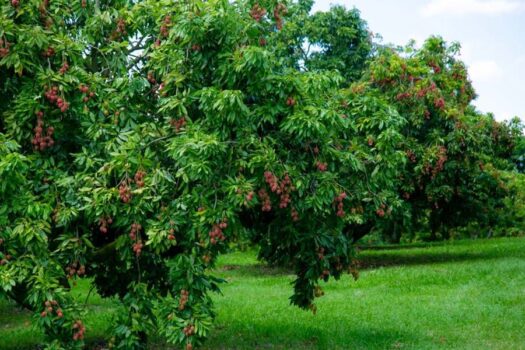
(50, 307)
(340, 205)
(257, 12)
(42, 140)
(53, 98)
(4, 47)
(216, 233)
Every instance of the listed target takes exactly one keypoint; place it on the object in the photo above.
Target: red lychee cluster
(424, 91)
(439, 103)
(46, 20)
(403, 96)
(64, 68)
(139, 178)
(189, 330)
(124, 193)
(283, 189)
(189, 346)
(427, 114)
(49, 52)
(4, 48)
(290, 101)
(75, 269)
(265, 200)
(381, 211)
(196, 47)
(164, 28)
(52, 96)
(135, 229)
(80, 329)
(442, 158)
(325, 274)
(257, 12)
(321, 166)
(120, 30)
(411, 155)
(103, 224)
(137, 248)
(87, 94)
(184, 295)
(50, 307)
(178, 124)
(249, 196)
(262, 41)
(83, 3)
(15, 3)
(340, 205)
(435, 67)
(216, 233)
(271, 180)
(171, 235)
(279, 11)
(294, 214)
(40, 140)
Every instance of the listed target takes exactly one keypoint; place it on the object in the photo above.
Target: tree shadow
(289, 335)
(390, 256)
(386, 258)
(366, 262)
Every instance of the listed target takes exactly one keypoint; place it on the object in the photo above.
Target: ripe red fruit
(43, 314)
(15, 3)
(290, 101)
(321, 166)
(257, 12)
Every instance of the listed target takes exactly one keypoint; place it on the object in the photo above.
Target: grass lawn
(462, 295)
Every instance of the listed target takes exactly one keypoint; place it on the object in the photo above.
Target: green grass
(461, 295)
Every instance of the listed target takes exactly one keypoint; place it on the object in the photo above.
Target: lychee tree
(454, 153)
(334, 40)
(140, 138)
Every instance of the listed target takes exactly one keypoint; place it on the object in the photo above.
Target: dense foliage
(453, 152)
(139, 139)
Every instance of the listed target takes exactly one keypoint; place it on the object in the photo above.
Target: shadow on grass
(390, 256)
(288, 335)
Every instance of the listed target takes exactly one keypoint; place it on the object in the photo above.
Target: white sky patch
(482, 71)
(466, 7)
(520, 59)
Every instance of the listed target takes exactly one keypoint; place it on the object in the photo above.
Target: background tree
(453, 152)
(334, 40)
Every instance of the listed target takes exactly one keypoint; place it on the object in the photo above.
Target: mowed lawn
(460, 295)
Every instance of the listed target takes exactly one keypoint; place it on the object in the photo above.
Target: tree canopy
(140, 139)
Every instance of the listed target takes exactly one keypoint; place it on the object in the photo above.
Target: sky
(491, 34)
